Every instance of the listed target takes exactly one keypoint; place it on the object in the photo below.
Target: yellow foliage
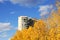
(41, 30)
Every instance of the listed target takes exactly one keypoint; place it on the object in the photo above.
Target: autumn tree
(42, 30)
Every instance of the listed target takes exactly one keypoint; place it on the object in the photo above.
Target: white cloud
(45, 9)
(12, 12)
(1, 1)
(6, 27)
(3, 35)
(28, 2)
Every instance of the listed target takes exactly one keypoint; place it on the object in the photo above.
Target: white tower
(22, 22)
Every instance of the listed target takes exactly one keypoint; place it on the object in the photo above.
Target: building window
(25, 20)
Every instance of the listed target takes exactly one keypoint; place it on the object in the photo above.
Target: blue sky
(10, 10)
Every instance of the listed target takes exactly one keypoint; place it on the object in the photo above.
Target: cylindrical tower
(22, 22)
